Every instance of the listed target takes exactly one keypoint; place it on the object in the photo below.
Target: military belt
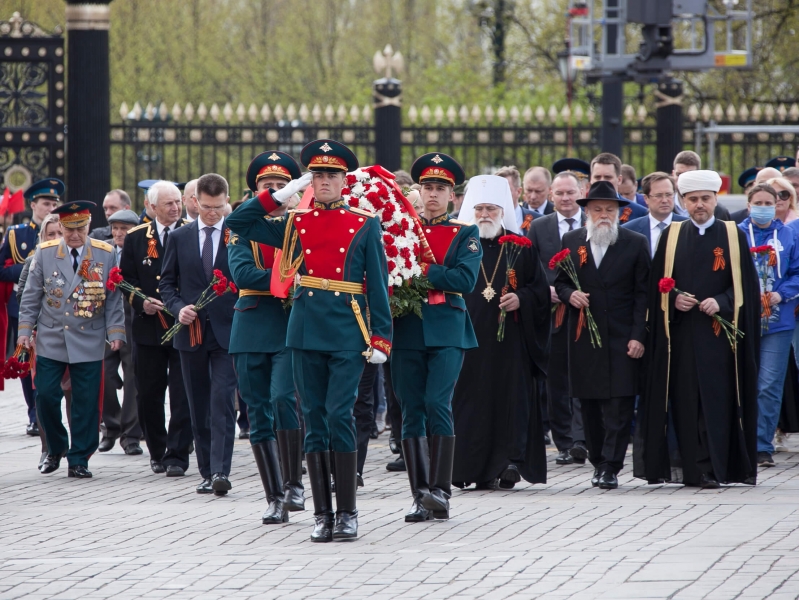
(243, 293)
(333, 285)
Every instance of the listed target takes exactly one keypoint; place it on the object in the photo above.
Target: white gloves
(293, 186)
(378, 357)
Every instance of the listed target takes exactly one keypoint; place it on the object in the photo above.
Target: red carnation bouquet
(667, 284)
(764, 256)
(19, 365)
(219, 286)
(115, 280)
(564, 261)
(513, 245)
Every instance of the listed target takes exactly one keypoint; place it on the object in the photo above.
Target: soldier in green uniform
(428, 352)
(263, 363)
(338, 255)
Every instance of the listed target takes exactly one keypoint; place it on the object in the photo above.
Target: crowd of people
(575, 305)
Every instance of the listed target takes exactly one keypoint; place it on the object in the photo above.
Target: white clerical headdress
(694, 181)
(489, 189)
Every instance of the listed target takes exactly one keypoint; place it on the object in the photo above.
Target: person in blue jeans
(778, 271)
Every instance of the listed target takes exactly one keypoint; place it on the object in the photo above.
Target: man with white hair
(499, 437)
(702, 378)
(612, 267)
(192, 210)
(156, 365)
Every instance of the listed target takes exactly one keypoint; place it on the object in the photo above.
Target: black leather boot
(319, 476)
(442, 456)
(346, 486)
(290, 442)
(268, 461)
(417, 461)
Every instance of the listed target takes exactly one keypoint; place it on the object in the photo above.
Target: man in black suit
(194, 252)
(535, 185)
(612, 266)
(565, 419)
(157, 366)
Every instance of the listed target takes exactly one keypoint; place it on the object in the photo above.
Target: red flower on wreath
(405, 253)
(392, 252)
(388, 239)
(391, 265)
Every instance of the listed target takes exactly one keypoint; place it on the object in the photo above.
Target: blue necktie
(208, 253)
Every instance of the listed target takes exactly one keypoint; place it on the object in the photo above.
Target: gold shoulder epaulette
(102, 245)
(361, 211)
(185, 221)
(457, 222)
(142, 226)
(49, 244)
(299, 211)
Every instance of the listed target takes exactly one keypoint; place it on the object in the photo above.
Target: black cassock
(497, 417)
(712, 412)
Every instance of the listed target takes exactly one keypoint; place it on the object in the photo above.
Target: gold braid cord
(287, 266)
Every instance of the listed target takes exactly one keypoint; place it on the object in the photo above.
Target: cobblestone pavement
(128, 533)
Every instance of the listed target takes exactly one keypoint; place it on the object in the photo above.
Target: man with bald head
(763, 175)
(535, 184)
(190, 201)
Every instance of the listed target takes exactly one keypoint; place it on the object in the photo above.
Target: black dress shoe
(191, 448)
(220, 484)
(323, 528)
(579, 453)
(608, 481)
(564, 458)
(157, 467)
(509, 477)
(708, 482)
(244, 434)
(397, 465)
(205, 487)
(79, 471)
(595, 478)
(174, 471)
(547, 440)
(133, 449)
(106, 444)
(32, 429)
(51, 463)
(360, 480)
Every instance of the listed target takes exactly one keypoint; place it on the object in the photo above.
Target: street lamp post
(567, 74)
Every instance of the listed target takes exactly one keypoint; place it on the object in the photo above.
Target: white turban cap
(694, 181)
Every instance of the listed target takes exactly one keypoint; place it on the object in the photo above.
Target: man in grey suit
(67, 300)
(565, 419)
(658, 188)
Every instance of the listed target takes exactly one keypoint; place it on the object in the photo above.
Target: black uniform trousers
(158, 368)
(607, 425)
(210, 380)
(364, 412)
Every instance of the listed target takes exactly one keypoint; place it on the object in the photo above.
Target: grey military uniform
(74, 310)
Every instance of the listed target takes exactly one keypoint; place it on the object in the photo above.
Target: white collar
(80, 250)
(653, 222)
(562, 218)
(707, 224)
(160, 228)
(201, 225)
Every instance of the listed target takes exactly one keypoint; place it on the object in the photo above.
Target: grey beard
(603, 236)
(488, 231)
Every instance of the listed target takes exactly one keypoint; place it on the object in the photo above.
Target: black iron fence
(183, 144)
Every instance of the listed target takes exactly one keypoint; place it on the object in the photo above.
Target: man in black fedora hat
(612, 267)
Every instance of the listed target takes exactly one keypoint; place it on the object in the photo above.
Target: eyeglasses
(660, 196)
(784, 195)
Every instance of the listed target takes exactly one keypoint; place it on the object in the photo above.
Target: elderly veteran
(66, 298)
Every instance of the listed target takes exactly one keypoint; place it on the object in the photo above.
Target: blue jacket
(787, 282)
(641, 225)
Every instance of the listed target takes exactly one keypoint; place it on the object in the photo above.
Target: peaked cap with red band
(436, 167)
(75, 214)
(328, 155)
(272, 163)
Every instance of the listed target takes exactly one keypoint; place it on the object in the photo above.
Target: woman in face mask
(778, 271)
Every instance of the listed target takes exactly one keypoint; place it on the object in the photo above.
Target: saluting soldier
(263, 363)
(156, 365)
(19, 243)
(338, 254)
(428, 352)
(66, 298)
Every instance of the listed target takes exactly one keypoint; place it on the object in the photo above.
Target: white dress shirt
(704, 226)
(655, 231)
(216, 234)
(563, 226)
(678, 207)
(597, 250)
(519, 215)
(160, 228)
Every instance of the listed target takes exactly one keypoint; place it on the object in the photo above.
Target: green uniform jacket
(260, 320)
(457, 249)
(337, 243)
